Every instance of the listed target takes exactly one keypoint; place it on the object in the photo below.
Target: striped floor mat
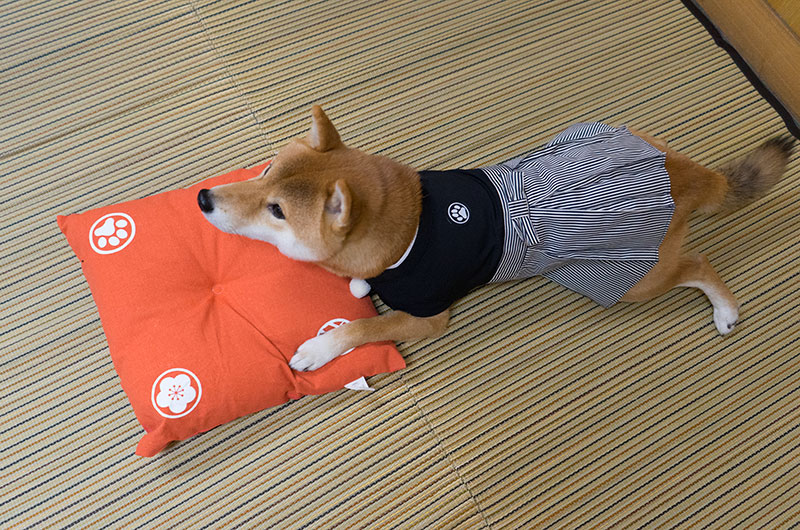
(537, 410)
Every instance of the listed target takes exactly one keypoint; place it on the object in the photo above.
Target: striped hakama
(588, 211)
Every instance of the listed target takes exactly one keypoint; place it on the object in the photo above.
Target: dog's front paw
(314, 353)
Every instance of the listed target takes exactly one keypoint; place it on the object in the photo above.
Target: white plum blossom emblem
(176, 393)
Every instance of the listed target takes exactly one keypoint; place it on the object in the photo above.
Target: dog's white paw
(725, 318)
(314, 353)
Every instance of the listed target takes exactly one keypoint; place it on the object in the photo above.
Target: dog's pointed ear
(339, 207)
(323, 136)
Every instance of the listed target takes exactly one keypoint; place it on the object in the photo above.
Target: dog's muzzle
(205, 202)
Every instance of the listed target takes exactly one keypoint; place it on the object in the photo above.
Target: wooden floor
(789, 12)
(766, 33)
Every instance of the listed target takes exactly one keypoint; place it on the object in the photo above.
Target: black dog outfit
(588, 211)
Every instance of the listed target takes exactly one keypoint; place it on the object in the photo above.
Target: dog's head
(309, 200)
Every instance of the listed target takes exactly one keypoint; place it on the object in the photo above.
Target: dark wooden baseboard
(762, 45)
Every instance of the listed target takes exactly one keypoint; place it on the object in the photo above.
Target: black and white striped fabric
(588, 211)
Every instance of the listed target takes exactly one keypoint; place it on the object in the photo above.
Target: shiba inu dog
(601, 210)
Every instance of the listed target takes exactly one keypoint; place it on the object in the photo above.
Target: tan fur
(695, 187)
(692, 187)
(303, 180)
(357, 214)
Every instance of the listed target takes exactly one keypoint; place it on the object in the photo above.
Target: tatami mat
(537, 409)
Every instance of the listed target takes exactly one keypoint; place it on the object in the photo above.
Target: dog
(601, 210)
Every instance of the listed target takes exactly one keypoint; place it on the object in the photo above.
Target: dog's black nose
(204, 201)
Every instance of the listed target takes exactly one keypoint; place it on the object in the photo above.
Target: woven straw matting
(537, 410)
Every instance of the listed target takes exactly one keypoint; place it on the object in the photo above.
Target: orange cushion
(201, 324)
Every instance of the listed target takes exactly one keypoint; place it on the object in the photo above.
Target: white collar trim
(408, 251)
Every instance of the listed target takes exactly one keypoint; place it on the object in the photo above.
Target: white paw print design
(111, 233)
(458, 213)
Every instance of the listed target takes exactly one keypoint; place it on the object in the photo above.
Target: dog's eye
(276, 211)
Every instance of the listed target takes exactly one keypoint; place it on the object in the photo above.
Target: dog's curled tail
(751, 176)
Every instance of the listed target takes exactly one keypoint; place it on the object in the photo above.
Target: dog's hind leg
(676, 269)
(690, 271)
(697, 272)
(695, 187)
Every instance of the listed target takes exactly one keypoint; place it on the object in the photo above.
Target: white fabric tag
(359, 384)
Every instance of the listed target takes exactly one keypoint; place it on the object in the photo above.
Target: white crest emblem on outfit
(458, 213)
